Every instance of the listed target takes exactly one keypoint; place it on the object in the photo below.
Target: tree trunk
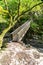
(1, 41)
(4, 32)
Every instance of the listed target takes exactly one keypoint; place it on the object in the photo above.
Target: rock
(16, 54)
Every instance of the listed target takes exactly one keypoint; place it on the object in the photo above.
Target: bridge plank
(19, 33)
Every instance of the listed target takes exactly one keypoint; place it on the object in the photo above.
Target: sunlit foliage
(9, 11)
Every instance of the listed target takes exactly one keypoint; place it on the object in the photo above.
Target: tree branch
(28, 10)
(18, 8)
(6, 4)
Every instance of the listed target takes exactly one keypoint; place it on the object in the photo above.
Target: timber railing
(19, 33)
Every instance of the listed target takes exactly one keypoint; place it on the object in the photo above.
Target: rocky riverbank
(17, 54)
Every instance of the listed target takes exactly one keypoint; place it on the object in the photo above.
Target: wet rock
(16, 54)
(36, 55)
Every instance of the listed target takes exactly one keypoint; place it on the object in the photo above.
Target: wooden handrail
(19, 33)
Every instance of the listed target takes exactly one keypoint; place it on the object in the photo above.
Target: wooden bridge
(19, 33)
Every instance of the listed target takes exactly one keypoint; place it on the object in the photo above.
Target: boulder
(17, 54)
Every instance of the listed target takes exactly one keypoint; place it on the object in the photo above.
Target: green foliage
(9, 12)
(3, 26)
(37, 25)
(34, 27)
(12, 7)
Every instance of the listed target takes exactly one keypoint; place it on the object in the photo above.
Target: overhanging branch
(18, 8)
(6, 4)
(28, 10)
